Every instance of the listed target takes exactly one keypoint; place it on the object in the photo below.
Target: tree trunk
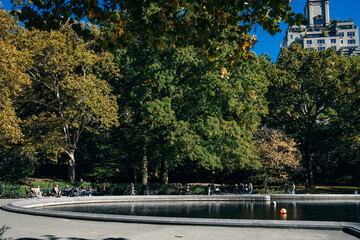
(145, 166)
(265, 183)
(71, 169)
(165, 171)
(310, 172)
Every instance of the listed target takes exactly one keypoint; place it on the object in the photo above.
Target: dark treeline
(93, 103)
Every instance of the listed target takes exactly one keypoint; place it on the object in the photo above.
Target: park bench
(46, 192)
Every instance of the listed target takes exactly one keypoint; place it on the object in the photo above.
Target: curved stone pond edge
(33, 207)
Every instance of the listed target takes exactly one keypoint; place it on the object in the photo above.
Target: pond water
(348, 211)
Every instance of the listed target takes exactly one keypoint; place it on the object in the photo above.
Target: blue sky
(342, 9)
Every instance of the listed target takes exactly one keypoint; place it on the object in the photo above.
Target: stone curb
(28, 207)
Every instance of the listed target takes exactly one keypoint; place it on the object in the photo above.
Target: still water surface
(348, 211)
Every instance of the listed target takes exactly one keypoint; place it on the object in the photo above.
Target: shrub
(14, 191)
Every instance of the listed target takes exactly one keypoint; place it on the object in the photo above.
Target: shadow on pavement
(51, 237)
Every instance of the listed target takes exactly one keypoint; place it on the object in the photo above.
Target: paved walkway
(25, 226)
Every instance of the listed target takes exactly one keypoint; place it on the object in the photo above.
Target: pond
(347, 211)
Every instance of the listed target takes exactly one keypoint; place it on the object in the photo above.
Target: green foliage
(68, 93)
(15, 165)
(14, 190)
(180, 108)
(203, 24)
(309, 96)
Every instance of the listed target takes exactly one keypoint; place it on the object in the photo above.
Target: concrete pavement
(25, 226)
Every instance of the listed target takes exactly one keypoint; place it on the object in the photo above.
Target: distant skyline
(342, 9)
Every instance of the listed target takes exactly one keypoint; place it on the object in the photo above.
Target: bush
(198, 190)
(21, 191)
(14, 191)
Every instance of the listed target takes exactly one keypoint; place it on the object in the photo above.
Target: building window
(291, 37)
(342, 41)
(351, 34)
(351, 41)
(319, 21)
(321, 48)
(334, 47)
(333, 40)
(308, 41)
(341, 34)
(321, 41)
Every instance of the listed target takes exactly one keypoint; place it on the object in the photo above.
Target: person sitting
(37, 192)
(147, 189)
(236, 189)
(68, 191)
(102, 191)
(83, 191)
(89, 190)
(75, 192)
(57, 191)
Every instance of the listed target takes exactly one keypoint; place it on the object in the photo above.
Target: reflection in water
(299, 210)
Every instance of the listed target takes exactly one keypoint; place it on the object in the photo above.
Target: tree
(341, 163)
(306, 88)
(68, 93)
(222, 108)
(13, 79)
(179, 109)
(278, 155)
(203, 24)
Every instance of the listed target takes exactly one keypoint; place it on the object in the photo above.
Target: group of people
(212, 189)
(70, 191)
(287, 188)
(84, 191)
(243, 188)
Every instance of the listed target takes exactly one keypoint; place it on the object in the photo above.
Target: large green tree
(68, 93)
(203, 24)
(307, 88)
(178, 108)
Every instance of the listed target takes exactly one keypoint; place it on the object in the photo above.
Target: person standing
(286, 188)
(250, 188)
(187, 189)
(132, 189)
(293, 189)
(223, 187)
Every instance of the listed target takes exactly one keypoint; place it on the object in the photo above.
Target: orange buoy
(283, 211)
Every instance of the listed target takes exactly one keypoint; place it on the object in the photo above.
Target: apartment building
(320, 32)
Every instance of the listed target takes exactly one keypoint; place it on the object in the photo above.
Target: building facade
(320, 32)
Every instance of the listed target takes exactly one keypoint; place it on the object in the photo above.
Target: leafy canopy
(12, 79)
(203, 24)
